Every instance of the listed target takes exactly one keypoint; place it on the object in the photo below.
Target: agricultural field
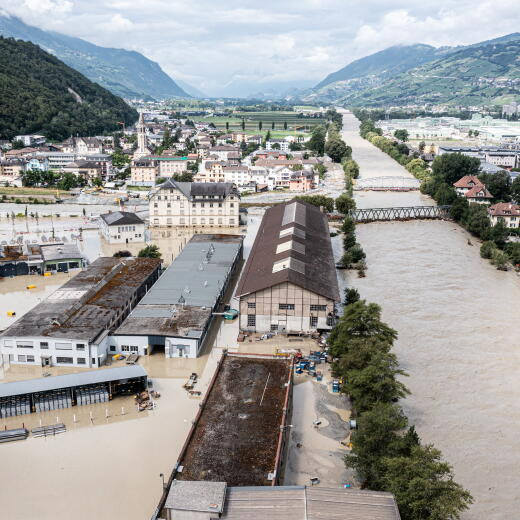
(295, 123)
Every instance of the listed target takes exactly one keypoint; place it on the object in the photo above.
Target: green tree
(402, 135)
(445, 195)
(423, 486)
(272, 125)
(515, 190)
(275, 146)
(422, 146)
(17, 144)
(122, 254)
(151, 251)
(97, 181)
(285, 125)
(351, 168)
(243, 124)
(499, 259)
(476, 220)
(317, 141)
(487, 248)
(320, 201)
(227, 126)
(499, 185)
(351, 295)
(336, 149)
(345, 204)
(120, 159)
(499, 233)
(459, 208)
(68, 181)
(260, 124)
(450, 167)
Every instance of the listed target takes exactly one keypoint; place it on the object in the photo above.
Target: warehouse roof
(84, 307)
(182, 300)
(121, 218)
(53, 252)
(292, 245)
(45, 384)
(308, 503)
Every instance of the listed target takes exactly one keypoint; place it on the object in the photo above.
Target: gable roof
(468, 181)
(479, 191)
(119, 218)
(505, 209)
(292, 245)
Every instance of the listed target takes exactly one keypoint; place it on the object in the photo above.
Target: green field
(295, 124)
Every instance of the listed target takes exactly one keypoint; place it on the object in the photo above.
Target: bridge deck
(401, 213)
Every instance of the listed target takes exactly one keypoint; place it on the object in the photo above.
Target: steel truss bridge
(388, 184)
(401, 213)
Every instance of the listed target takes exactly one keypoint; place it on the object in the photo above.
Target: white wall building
(122, 227)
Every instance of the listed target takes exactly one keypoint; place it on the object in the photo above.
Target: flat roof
(45, 384)
(184, 296)
(55, 252)
(185, 495)
(83, 307)
(236, 437)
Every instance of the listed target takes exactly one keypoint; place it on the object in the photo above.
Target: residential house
(507, 212)
(223, 152)
(11, 171)
(214, 204)
(277, 144)
(31, 140)
(122, 227)
(83, 145)
(169, 165)
(466, 183)
(143, 172)
(478, 195)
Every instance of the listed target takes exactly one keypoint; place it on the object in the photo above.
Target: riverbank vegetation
(49, 179)
(438, 181)
(387, 453)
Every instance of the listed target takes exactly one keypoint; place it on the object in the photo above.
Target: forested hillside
(40, 94)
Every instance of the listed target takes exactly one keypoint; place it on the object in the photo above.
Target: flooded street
(457, 319)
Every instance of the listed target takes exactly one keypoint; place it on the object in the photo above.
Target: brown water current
(459, 336)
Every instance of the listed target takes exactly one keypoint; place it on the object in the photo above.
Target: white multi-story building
(507, 212)
(239, 174)
(122, 227)
(277, 144)
(214, 204)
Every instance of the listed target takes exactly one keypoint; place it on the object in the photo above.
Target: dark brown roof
(313, 264)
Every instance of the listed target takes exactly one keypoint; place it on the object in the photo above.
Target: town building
(169, 165)
(277, 144)
(214, 204)
(122, 227)
(142, 148)
(289, 283)
(252, 439)
(506, 212)
(31, 140)
(466, 183)
(23, 259)
(11, 171)
(188, 500)
(177, 312)
(473, 189)
(143, 172)
(71, 326)
(83, 145)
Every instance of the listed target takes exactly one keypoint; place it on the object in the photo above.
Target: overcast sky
(215, 44)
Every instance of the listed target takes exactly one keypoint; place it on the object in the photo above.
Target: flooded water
(457, 319)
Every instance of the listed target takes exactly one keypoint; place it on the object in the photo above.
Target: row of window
(43, 345)
(290, 306)
(193, 205)
(251, 322)
(122, 229)
(129, 348)
(26, 358)
(193, 221)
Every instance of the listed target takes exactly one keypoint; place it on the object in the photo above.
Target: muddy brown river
(459, 336)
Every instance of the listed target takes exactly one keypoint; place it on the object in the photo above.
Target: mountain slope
(125, 73)
(388, 62)
(190, 89)
(40, 94)
(476, 75)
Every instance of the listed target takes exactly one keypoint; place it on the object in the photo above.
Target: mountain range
(125, 73)
(478, 74)
(40, 94)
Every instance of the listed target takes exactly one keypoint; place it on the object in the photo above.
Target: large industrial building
(71, 327)
(289, 283)
(176, 314)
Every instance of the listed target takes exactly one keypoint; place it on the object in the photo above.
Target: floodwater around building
(457, 319)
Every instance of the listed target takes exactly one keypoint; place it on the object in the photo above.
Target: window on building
(155, 204)
(313, 321)
(318, 307)
(24, 344)
(286, 306)
(251, 305)
(274, 327)
(80, 346)
(22, 359)
(231, 221)
(125, 348)
(65, 360)
(231, 205)
(30, 359)
(251, 320)
(63, 346)
(134, 348)
(82, 361)
(112, 348)
(169, 205)
(220, 204)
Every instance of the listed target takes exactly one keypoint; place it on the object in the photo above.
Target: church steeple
(142, 149)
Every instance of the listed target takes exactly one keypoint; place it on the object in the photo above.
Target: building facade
(190, 204)
(122, 227)
(506, 212)
(289, 283)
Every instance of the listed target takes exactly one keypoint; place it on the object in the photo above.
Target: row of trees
(438, 183)
(387, 453)
(50, 179)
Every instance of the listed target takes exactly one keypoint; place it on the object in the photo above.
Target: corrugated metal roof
(44, 384)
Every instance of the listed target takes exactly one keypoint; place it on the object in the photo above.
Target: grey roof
(196, 495)
(120, 218)
(52, 252)
(308, 503)
(83, 308)
(200, 189)
(45, 384)
(185, 294)
(285, 230)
